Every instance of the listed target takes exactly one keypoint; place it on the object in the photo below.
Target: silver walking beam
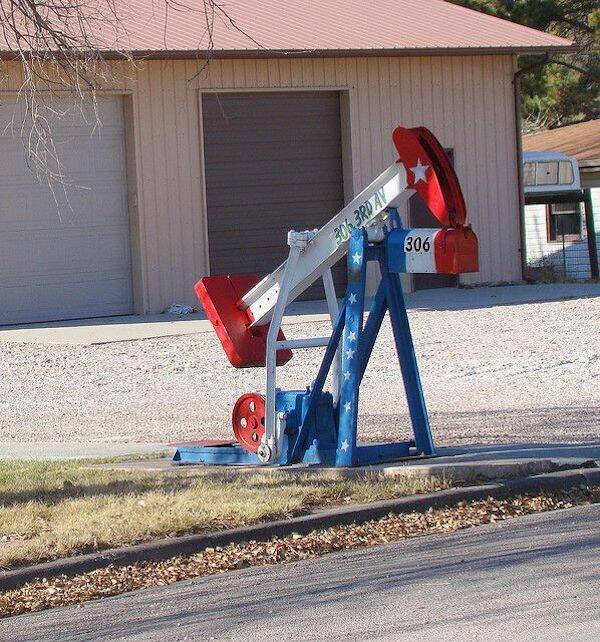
(328, 244)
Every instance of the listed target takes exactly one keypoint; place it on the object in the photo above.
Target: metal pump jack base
(317, 428)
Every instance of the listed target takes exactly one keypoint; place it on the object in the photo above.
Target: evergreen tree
(567, 90)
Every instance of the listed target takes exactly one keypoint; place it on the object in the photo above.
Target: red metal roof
(318, 27)
(580, 141)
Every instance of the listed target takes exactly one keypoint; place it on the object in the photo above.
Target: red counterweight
(456, 251)
(245, 347)
(430, 172)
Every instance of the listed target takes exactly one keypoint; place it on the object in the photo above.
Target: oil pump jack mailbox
(315, 426)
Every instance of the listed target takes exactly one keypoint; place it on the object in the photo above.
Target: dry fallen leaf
(113, 580)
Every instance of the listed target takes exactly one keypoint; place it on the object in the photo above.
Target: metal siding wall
(170, 182)
(465, 100)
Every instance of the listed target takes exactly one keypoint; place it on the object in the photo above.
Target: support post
(271, 441)
(332, 306)
(371, 329)
(350, 360)
(407, 359)
(591, 234)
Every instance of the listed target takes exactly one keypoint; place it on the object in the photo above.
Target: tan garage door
(64, 252)
(273, 163)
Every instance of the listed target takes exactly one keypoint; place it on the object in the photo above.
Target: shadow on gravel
(73, 491)
(77, 489)
(557, 425)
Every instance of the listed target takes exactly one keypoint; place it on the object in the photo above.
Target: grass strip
(44, 594)
(57, 509)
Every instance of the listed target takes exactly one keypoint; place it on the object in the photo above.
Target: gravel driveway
(515, 373)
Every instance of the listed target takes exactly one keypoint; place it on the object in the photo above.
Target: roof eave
(348, 53)
(200, 54)
(589, 164)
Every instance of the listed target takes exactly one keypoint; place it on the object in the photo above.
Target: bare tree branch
(63, 49)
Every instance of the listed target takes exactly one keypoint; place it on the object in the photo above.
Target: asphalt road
(533, 578)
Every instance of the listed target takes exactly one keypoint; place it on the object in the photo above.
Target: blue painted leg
(408, 361)
(350, 362)
(371, 329)
(379, 306)
(317, 388)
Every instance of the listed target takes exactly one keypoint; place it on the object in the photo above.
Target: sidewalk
(496, 461)
(54, 450)
(460, 463)
(131, 328)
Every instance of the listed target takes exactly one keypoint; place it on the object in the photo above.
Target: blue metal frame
(357, 345)
(318, 432)
(304, 435)
(350, 356)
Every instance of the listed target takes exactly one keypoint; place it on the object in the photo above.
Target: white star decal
(345, 445)
(356, 257)
(419, 171)
(352, 298)
(346, 375)
(350, 353)
(351, 336)
(347, 406)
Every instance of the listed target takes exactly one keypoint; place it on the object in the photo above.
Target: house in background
(562, 201)
(202, 168)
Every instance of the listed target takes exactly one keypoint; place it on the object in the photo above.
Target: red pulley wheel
(248, 419)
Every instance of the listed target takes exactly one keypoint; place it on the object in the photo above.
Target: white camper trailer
(549, 172)
(556, 239)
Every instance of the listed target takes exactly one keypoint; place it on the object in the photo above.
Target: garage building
(201, 168)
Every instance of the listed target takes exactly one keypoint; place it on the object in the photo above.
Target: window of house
(564, 219)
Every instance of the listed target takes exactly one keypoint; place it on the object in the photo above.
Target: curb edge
(303, 524)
